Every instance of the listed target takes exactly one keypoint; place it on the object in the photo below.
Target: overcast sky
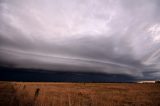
(110, 36)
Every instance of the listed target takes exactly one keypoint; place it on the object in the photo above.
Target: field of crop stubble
(78, 94)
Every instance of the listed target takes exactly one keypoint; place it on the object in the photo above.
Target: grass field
(78, 94)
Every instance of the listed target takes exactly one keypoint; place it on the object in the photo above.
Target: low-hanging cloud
(107, 36)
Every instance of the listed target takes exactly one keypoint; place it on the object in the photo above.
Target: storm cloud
(110, 36)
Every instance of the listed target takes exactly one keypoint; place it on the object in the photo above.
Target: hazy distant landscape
(78, 94)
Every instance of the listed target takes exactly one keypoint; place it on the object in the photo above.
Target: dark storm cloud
(106, 36)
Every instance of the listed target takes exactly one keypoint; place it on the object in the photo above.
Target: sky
(106, 36)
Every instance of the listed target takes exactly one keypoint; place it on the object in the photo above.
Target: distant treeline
(157, 81)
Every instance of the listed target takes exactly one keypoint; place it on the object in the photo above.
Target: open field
(78, 94)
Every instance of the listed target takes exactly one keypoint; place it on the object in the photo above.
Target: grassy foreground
(78, 94)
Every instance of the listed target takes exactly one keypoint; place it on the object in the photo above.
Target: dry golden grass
(78, 94)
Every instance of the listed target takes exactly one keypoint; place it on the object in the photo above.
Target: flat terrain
(78, 94)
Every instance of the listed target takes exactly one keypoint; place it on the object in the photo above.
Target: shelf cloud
(109, 36)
